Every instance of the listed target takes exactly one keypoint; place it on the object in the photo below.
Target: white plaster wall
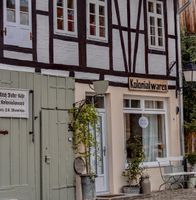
(114, 17)
(116, 79)
(172, 54)
(115, 124)
(134, 14)
(123, 12)
(140, 59)
(118, 61)
(97, 56)
(83, 75)
(65, 52)
(157, 64)
(170, 17)
(17, 55)
(42, 5)
(42, 38)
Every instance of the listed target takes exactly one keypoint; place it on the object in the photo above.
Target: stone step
(118, 197)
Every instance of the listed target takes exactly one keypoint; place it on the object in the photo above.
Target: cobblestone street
(180, 194)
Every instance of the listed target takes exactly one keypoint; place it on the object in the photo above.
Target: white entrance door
(58, 181)
(17, 23)
(101, 157)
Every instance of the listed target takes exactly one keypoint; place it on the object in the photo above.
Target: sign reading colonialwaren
(148, 84)
(14, 103)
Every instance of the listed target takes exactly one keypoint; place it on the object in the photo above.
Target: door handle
(104, 150)
(4, 32)
(47, 159)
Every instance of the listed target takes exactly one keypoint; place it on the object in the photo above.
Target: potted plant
(83, 124)
(191, 158)
(134, 170)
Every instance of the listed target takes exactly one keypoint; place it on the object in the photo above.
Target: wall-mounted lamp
(189, 72)
(100, 87)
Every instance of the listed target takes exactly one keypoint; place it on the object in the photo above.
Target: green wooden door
(57, 156)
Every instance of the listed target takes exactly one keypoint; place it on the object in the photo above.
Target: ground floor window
(147, 119)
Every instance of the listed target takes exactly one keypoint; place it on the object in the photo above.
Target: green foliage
(188, 46)
(191, 158)
(136, 157)
(83, 124)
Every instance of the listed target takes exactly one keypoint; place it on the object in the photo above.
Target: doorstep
(119, 196)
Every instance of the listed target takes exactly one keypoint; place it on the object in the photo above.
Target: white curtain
(150, 138)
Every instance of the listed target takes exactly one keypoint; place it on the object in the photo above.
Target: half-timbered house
(47, 44)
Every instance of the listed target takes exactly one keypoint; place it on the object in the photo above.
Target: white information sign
(143, 122)
(14, 103)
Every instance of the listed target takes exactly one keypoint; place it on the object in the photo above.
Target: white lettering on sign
(14, 103)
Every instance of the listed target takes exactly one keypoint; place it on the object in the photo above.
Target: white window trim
(92, 37)
(155, 15)
(65, 32)
(17, 23)
(142, 110)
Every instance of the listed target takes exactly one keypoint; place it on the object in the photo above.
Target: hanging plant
(83, 126)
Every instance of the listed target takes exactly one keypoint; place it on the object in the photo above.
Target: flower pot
(145, 186)
(88, 187)
(131, 189)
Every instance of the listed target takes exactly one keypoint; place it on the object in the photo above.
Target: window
(65, 16)
(155, 24)
(149, 124)
(97, 19)
(17, 22)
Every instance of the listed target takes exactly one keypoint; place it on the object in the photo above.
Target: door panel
(57, 157)
(16, 180)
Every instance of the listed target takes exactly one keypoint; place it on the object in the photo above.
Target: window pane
(24, 18)
(152, 30)
(101, 21)
(101, 10)
(24, 5)
(152, 137)
(152, 21)
(60, 3)
(150, 7)
(159, 22)
(159, 9)
(160, 32)
(149, 104)
(159, 104)
(135, 103)
(126, 103)
(92, 30)
(102, 32)
(92, 8)
(60, 12)
(70, 14)
(70, 4)
(99, 102)
(160, 41)
(70, 26)
(11, 11)
(92, 19)
(152, 40)
(60, 24)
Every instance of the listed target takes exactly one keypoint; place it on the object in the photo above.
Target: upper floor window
(17, 22)
(97, 19)
(155, 24)
(65, 16)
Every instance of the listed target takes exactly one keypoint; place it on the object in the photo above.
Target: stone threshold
(122, 196)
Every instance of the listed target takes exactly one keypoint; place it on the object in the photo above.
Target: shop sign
(148, 84)
(14, 103)
(143, 122)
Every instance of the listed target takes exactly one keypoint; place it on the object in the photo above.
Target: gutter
(180, 75)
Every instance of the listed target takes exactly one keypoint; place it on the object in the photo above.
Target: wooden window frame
(97, 37)
(156, 17)
(65, 19)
